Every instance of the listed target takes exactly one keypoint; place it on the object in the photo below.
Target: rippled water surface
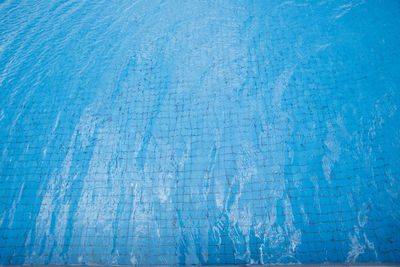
(199, 132)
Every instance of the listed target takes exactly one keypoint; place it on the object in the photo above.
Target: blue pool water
(153, 132)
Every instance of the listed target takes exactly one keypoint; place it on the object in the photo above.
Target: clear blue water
(199, 132)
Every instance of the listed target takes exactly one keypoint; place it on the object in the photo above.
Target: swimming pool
(199, 132)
